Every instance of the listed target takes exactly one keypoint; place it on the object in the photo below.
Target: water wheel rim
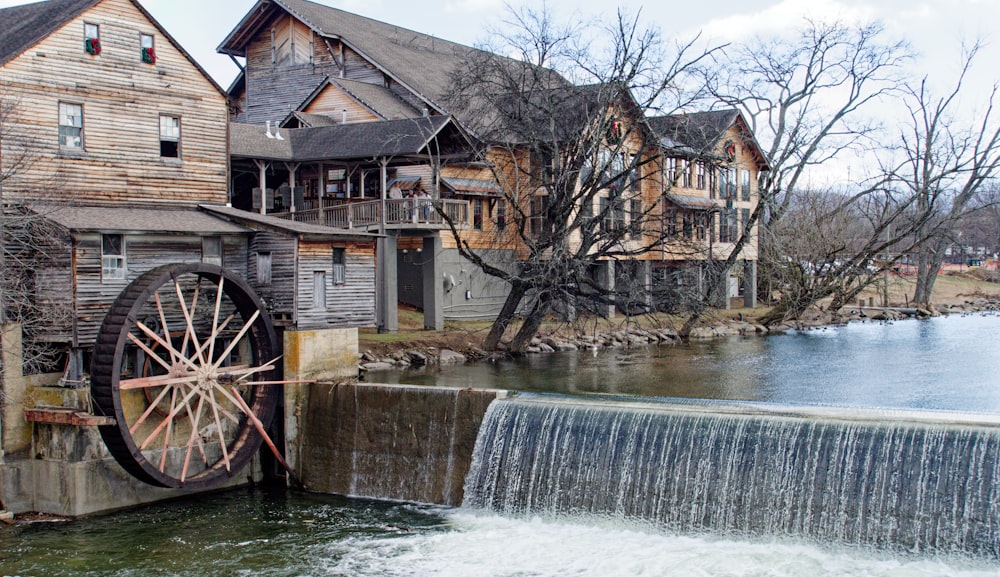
(202, 386)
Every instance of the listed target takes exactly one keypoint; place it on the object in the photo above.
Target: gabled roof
(24, 26)
(378, 100)
(21, 27)
(420, 62)
(290, 227)
(124, 219)
(359, 141)
(701, 133)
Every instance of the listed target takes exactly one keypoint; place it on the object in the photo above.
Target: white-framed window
(70, 126)
(147, 48)
(263, 268)
(501, 214)
(671, 171)
(701, 181)
(170, 136)
(113, 266)
(91, 38)
(477, 214)
(211, 250)
(745, 185)
(319, 289)
(686, 174)
(339, 266)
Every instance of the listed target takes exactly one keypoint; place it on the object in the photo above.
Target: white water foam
(479, 545)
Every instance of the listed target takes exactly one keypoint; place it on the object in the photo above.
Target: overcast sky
(935, 27)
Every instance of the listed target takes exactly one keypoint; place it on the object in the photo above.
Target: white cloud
(785, 16)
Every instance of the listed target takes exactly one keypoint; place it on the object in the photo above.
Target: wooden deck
(406, 213)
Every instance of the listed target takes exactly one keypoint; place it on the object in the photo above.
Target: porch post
(433, 281)
(262, 183)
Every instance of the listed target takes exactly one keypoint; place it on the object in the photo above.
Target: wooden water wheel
(185, 363)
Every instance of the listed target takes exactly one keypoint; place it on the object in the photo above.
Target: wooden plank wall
(122, 100)
(351, 304)
(143, 253)
(279, 296)
(333, 102)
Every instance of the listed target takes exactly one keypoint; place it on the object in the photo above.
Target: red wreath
(730, 150)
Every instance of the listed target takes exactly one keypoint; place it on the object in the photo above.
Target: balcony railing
(399, 213)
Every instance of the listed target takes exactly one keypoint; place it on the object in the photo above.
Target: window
(501, 214)
(539, 210)
(70, 126)
(687, 223)
(670, 222)
(339, 266)
(635, 216)
(634, 181)
(112, 257)
(745, 184)
(701, 181)
(91, 38)
(671, 171)
(686, 174)
(731, 181)
(612, 214)
(477, 214)
(728, 228)
(263, 268)
(147, 48)
(319, 289)
(170, 137)
(211, 250)
(744, 218)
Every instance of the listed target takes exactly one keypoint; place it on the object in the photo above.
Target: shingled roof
(24, 26)
(701, 133)
(421, 62)
(21, 27)
(126, 219)
(354, 141)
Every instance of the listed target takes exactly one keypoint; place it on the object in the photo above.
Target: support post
(750, 284)
(433, 281)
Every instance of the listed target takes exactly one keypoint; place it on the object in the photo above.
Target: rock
(417, 358)
(544, 348)
(701, 333)
(448, 356)
(377, 366)
(368, 357)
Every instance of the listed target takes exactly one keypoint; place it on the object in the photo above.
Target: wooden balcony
(405, 213)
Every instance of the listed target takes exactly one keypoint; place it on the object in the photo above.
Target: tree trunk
(531, 323)
(503, 320)
(928, 265)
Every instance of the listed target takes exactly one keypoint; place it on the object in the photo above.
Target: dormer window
(92, 38)
(148, 51)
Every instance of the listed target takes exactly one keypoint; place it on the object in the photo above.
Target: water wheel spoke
(146, 349)
(155, 381)
(215, 321)
(170, 429)
(190, 333)
(218, 427)
(236, 340)
(174, 353)
(163, 323)
(195, 422)
(149, 410)
(173, 413)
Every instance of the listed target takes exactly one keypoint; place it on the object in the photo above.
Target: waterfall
(918, 481)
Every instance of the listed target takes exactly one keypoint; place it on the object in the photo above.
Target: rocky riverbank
(459, 347)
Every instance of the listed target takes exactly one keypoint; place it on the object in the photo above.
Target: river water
(948, 364)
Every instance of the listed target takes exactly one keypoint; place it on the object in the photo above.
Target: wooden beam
(65, 416)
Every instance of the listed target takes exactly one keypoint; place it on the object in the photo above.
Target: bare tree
(30, 246)
(809, 101)
(945, 164)
(562, 125)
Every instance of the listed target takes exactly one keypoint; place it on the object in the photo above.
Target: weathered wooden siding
(351, 304)
(122, 100)
(142, 253)
(274, 89)
(279, 295)
(333, 102)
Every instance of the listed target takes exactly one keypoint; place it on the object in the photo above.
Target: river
(940, 364)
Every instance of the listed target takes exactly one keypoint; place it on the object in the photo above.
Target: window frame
(114, 265)
(79, 135)
(170, 138)
(477, 214)
(207, 255)
(92, 43)
(147, 54)
(745, 185)
(338, 260)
